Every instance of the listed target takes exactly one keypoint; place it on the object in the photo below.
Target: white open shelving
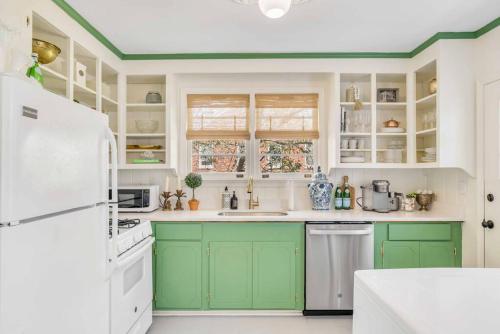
(426, 108)
(137, 109)
(376, 109)
(121, 98)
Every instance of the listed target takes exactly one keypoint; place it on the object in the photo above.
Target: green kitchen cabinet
(437, 254)
(274, 275)
(178, 278)
(401, 254)
(230, 275)
(230, 265)
(418, 245)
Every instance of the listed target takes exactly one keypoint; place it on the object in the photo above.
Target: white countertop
(425, 301)
(297, 216)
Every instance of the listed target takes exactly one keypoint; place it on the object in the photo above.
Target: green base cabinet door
(274, 275)
(401, 254)
(178, 275)
(418, 245)
(230, 275)
(435, 254)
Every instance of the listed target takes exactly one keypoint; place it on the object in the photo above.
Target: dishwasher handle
(340, 232)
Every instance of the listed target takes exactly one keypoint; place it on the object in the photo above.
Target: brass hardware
(296, 251)
(251, 203)
(208, 251)
(455, 251)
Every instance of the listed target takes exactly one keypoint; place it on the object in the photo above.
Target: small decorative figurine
(320, 191)
(179, 194)
(165, 204)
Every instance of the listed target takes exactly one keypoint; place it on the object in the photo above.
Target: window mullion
(252, 153)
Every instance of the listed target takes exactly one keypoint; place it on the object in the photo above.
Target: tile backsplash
(450, 186)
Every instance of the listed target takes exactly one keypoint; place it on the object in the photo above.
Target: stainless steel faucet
(251, 203)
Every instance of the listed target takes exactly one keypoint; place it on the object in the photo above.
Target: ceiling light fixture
(273, 9)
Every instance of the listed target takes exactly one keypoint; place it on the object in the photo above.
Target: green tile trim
(293, 55)
(87, 26)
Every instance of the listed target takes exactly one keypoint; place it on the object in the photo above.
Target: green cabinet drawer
(421, 232)
(178, 231)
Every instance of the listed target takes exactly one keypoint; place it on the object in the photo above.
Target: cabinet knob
(490, 197)
(488, 224)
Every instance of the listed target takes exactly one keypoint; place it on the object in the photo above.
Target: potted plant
(193, 181)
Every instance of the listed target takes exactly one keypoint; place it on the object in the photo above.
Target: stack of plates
(392, 130)
(429, 155)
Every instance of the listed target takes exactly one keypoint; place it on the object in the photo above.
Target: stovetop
(125, 224)
(130, 233)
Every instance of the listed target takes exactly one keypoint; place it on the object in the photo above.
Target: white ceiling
(196, 26)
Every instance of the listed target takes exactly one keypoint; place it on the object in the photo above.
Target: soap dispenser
(234, 201)
(226, 199)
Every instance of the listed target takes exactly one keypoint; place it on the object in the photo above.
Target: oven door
(131, 287)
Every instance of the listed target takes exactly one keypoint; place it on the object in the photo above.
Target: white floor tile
(251, 325)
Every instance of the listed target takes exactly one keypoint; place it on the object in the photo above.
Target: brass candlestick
(179, 194)
(165, 204)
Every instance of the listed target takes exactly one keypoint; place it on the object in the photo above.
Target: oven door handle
(340, 232)
(135, 255)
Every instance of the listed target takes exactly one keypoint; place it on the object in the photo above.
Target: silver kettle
(366, 199)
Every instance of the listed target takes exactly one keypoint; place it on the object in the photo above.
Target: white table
(448, 301)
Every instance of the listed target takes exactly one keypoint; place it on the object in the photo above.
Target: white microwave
(141, 198)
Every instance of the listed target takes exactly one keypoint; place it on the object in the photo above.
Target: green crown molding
(290, 55)
(87, 26)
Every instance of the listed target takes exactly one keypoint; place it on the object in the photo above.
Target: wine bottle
(338, 198)
(346, 196)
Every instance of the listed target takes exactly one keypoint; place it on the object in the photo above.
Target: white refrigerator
(55, 259)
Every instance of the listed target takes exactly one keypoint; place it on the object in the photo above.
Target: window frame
(252, 146)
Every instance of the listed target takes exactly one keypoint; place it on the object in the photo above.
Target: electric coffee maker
(376, 197)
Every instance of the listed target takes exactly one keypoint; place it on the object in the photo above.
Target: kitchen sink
(252, 213)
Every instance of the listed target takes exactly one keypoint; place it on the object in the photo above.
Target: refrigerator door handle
(112, 257)
(114, 165)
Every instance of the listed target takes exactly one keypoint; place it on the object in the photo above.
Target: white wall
(455, 189)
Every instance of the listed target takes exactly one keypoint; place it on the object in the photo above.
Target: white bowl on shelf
(146, 125)
(392, 130)
(352, 159)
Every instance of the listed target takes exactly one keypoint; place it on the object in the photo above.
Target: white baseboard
(238, 313)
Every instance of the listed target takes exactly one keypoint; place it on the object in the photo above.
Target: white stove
(131, 232)
(131, 281)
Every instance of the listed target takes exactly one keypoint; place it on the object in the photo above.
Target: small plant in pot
(193, 181)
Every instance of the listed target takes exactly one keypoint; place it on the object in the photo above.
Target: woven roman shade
(218, 116)
(286, 116)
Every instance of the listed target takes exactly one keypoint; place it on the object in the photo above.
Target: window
(218, 155)
(287, 130)
(286, 133)
(218, 128)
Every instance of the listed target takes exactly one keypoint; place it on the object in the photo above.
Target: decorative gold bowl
(47, 52)
(425, 200)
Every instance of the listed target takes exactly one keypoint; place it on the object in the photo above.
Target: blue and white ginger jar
(320, 191)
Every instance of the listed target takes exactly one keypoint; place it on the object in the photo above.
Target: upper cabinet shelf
(373, 117)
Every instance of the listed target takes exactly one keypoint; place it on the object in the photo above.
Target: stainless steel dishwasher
(334, 251)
